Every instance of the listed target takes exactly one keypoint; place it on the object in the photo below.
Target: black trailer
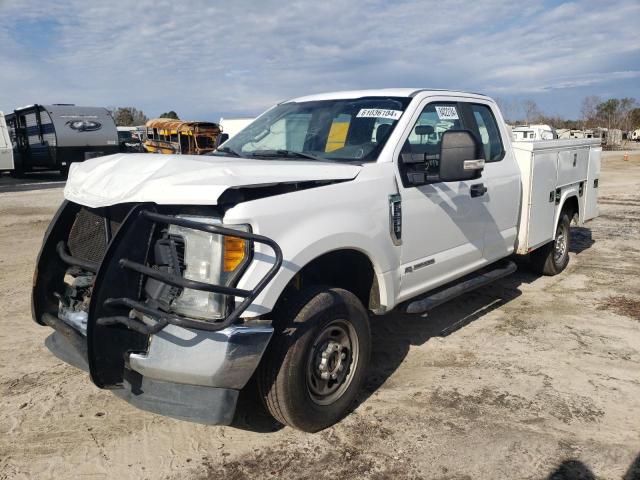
(54, 136)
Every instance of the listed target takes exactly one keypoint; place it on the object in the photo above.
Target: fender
(309, 223)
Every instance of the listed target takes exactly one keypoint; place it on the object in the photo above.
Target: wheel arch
(570, 203)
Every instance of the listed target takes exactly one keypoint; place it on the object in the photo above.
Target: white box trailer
(552, 171)
(232, 126)
(6, 148)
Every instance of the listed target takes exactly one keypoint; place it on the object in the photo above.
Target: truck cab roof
(383, 92)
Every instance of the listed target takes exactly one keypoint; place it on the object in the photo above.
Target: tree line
(131, 116)
(620, 113)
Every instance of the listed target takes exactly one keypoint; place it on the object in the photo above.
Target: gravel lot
(531, 377)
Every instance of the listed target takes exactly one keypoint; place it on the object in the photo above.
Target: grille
(87, 238)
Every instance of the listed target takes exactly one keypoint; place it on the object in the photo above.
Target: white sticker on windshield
(379, 113)
(447, 113)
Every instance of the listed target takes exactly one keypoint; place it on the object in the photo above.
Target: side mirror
(459, 156)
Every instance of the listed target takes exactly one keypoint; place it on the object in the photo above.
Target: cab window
(489, 132)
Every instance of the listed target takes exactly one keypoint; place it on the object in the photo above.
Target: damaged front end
(145, 298)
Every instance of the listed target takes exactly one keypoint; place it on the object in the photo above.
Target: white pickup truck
(175, 279)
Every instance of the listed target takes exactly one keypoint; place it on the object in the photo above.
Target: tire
(319, 331)
(553, 258)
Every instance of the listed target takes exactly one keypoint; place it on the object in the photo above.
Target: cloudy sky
(207, 59)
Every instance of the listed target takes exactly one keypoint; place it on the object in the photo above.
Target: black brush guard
(164, 318)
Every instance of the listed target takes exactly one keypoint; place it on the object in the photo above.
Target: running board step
(466, 284)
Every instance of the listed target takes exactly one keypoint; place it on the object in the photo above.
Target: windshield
(328, 130)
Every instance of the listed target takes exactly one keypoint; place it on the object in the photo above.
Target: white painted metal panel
(6, 149)
(572, 165)
(591, 191)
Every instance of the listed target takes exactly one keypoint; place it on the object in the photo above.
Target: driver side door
(442, 223)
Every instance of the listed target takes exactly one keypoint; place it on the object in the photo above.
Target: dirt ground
(531, 377)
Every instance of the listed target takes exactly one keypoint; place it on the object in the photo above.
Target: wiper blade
(225, 150)
(281, 153)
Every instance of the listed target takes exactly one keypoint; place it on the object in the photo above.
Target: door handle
(478, 190)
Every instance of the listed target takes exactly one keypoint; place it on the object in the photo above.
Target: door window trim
(473, 125)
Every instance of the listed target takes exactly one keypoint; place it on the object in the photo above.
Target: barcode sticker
(447, 113)
(379, 113)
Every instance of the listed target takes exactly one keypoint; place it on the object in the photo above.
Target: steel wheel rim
(561, 244)
(331, 360)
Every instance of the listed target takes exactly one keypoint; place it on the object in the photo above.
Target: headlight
(208, 258)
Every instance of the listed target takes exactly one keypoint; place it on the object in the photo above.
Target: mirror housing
(459, 156)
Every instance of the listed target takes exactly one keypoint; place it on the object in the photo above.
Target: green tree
(170, 114)
(128, 116)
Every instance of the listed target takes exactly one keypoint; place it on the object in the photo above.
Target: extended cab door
(500, 177)
(443, 223)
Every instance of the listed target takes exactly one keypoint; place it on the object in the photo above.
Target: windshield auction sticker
(447, 113)
(379, 113)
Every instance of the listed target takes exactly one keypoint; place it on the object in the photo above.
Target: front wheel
(553, 258)
(316, 363)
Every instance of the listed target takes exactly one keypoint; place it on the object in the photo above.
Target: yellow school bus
(165, 135)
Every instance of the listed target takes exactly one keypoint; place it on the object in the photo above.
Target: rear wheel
(553, 258)
(316, 363)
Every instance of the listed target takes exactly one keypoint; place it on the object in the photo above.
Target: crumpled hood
(185, 179)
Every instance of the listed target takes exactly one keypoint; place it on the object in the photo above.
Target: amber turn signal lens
(234, 252)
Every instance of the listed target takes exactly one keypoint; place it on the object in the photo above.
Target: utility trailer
(55, 136)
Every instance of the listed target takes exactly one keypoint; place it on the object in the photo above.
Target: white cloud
(202, 58)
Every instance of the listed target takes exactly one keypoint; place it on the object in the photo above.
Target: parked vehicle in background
(129, 140)
(534, 132)
(6, 149)
(566, 133)
(265, 259)
(635, 135)
(55, 136)
(167, 136)
(611, 138)
(231, 126)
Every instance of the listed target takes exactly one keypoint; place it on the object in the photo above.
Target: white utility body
(552, 171)
(322, 209)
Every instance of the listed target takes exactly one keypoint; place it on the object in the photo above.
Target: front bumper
(157, 361)
(186, 374)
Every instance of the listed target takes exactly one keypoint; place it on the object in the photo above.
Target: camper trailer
(6, 150)
(534, 132)
(54, 136)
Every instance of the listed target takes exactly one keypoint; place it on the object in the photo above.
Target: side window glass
(489, 132)
(423, 143)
